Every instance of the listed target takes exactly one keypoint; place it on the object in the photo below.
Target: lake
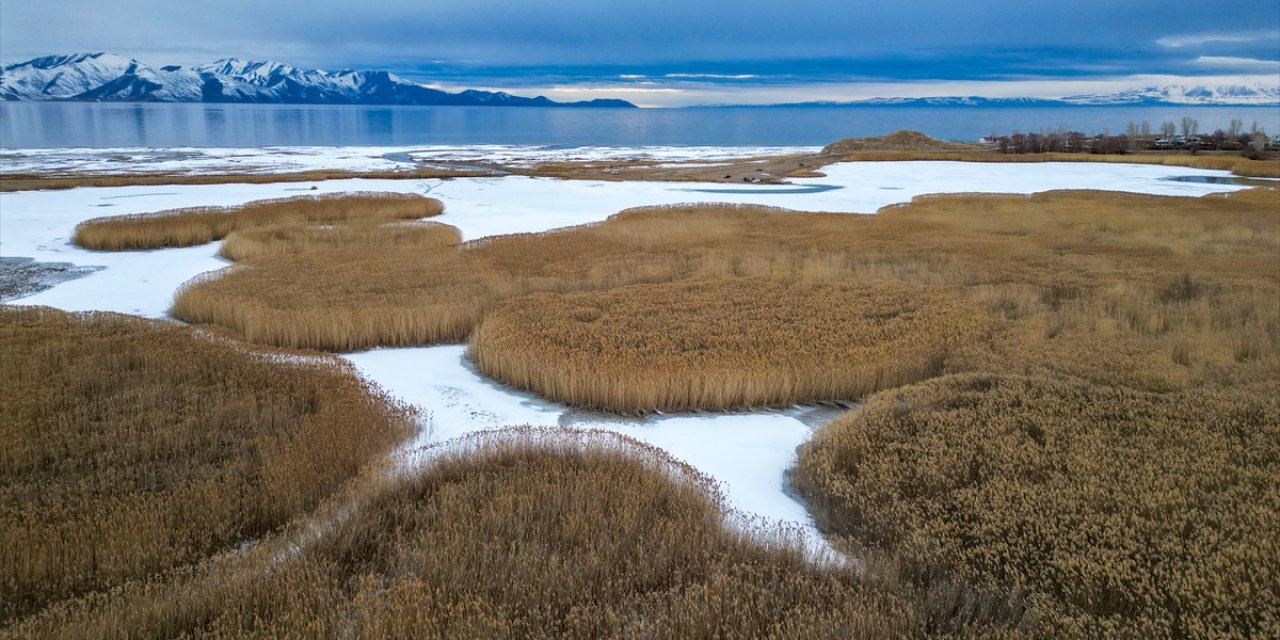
(54, 125)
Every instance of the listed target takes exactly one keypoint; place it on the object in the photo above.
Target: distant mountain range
(104, 77)
(1258, 95)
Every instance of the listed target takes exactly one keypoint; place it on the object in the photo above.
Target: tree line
(1184, 134)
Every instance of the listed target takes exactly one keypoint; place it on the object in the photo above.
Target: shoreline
(616, 164)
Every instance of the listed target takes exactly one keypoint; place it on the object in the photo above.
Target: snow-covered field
(192, 160)
(748, 453)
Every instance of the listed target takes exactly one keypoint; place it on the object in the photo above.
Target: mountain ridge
(1156, 96)
(106, 77)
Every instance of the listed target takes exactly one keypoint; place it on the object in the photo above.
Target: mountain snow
(1256, 94)
(102, 77)
(109, 77)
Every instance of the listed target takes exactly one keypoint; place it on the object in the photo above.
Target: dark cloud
(529, 43)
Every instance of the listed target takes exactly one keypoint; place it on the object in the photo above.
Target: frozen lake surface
(747, 453)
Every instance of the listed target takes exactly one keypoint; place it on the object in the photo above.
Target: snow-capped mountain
(102, 77)
(1233, 95)
(1256, 94)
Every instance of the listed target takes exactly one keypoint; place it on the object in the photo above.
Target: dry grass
(199, 225)
(357, 299)
(1159, 293)
(1120, 513)
(722, 344)
(300, 238)
(132, 446)
(542, 534)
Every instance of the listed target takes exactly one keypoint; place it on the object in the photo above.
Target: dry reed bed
(300, 238)
(358, 299)
(1119, 513)
(722, 343)
(536, 534)
(132, 446)
(1159, 293)
(199, 225)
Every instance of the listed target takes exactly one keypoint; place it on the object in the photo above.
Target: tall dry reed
(301, 238)
(132, 446)
(525, 534)
(722, 343)
(1118, 513)
(199, 225)
(1152, 292)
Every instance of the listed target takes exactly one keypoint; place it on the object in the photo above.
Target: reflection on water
(72, 124)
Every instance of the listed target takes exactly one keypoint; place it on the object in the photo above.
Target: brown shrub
(198, 225)
(1121, 513)
(723, 343)
(133, 446)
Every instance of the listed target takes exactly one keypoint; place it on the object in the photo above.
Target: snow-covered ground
(192, 160)
(747, 453)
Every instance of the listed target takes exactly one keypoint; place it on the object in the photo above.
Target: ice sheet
(191, 160)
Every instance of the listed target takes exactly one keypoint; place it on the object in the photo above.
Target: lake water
(51, 125)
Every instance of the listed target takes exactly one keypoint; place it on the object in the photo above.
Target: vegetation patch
(302, 238)
(901, 140)
(199, 225)
(1150, 292)
(722, 343)
(132, 446)
(1119, 513)
(1233, 162)
(531, 534)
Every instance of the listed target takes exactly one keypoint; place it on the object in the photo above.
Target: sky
(690, 52)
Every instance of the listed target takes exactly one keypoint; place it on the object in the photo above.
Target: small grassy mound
(199, 225)
(901, 140)
(543, 534)
(1120, 513)
(132, 446)
(722, 344)
(300, 238)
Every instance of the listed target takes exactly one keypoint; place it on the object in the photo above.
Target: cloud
(1199, 39)
(693, 46)
(1240, 64)
(712, 76)
(687, 93)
